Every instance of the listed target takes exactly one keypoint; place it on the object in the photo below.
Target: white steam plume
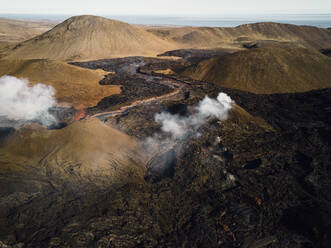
(21, 102)
(179, 126)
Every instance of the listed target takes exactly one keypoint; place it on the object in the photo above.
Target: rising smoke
(20, 102)
(179, 127)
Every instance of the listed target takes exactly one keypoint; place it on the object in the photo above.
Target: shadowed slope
(268, 70)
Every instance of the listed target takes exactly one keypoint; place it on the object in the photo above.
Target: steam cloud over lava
(21, 102)
(179, 126)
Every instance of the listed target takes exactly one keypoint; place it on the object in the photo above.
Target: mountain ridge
(197, 37)
(90, 37)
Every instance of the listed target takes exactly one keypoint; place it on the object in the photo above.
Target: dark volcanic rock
(196, 55)
(270, 174)
(161, 167)
(132, 88)
(58, 125)
(237, 184)
(250, 45)
(118, 65)
(326, 52)
(5, 132)
(179, 108)
(130, 65)
(253, 164)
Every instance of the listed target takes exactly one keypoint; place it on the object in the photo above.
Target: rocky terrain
(108, 175)
(258, 179)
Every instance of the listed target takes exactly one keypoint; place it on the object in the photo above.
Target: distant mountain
(93, 37)
(267, 70)
(90, 37)
(206, 37)
(17, 30)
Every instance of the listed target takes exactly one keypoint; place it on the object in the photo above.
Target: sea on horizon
(318, 20)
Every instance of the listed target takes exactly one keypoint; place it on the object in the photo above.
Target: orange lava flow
(79, 114)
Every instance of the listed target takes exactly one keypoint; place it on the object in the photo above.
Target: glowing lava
(80, 114)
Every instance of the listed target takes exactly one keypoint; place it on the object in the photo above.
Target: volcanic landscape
(164, 136)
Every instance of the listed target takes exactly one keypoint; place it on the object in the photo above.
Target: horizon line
(324, 12)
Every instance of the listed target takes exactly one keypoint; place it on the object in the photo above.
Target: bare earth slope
(91, 37)
(17, 31)
(84, 153)
(205, 37)
(74, 85)
(267, 70)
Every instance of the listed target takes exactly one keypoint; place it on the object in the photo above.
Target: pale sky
(164, 7)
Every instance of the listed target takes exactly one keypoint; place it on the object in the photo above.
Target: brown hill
(16, 30)
(267, 70)
(85, 152)
(5, 46)
(74, 85)
(205, 37)
(90, 37)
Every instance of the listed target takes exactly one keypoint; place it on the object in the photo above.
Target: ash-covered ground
(258, 179)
